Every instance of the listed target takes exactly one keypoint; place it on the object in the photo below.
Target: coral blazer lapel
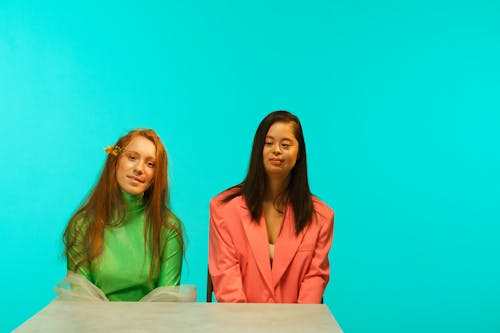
(287, 244)
(259, 245)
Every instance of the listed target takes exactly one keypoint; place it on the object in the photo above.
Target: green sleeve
(171, 258)
(76, 252)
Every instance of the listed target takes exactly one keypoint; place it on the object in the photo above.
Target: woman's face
(136, 166)
(281, 149)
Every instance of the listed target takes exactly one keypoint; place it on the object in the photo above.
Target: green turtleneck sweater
(122, 270)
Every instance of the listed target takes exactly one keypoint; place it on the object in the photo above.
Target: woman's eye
(131, 157)
(268, 143)
(285, 145)
(150, 165)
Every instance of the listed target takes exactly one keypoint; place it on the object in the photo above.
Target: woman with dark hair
(124, 239)
(269, 236)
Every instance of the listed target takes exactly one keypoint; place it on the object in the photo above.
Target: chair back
(210, 287)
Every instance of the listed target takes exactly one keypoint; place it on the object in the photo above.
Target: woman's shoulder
(172, 219)
(227, 199)
(79, 222)
(227, 205)
(322, 208)
(76, 229)
(172, 227)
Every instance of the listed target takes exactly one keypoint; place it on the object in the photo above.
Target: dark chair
(210, 287)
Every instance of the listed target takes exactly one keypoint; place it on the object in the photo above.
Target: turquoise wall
(400, 104)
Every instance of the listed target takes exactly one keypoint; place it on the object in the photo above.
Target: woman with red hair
(124, 239)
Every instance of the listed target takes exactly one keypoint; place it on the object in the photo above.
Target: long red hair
(105, 207)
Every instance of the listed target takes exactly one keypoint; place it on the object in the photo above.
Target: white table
(66, 316)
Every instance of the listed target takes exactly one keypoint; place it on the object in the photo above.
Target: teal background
(399, 101)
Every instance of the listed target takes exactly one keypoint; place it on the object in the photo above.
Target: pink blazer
(239, 262)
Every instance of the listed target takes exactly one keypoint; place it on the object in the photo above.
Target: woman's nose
(139, 168)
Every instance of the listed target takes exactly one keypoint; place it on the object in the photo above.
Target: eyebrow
(133, 151)
(272, 137)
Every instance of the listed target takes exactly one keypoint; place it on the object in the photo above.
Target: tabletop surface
(67, 316)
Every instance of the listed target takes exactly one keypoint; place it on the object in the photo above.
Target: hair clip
(113, 150)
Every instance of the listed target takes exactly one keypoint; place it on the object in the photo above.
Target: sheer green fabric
(122, 270)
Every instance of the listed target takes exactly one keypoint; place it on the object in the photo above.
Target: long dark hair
(104, 207)
(254, 185)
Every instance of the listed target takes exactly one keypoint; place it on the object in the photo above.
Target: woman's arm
(223, 261)
(171, 258)
(76, 252)
(314, 283)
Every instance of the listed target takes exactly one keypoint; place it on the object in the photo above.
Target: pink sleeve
(223, 260)
(314, 283)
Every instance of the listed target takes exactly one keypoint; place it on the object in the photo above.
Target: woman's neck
(133, 201)
(275, 187)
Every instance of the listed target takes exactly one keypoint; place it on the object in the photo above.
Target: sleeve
(75, 252)
(223, 261)
(314, 283)
(171, 257)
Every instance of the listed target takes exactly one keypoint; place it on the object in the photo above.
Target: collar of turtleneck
(133, 202)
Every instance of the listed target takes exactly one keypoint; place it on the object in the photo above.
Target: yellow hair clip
(113, 150)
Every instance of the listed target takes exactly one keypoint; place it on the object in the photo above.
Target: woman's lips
(136, 179)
